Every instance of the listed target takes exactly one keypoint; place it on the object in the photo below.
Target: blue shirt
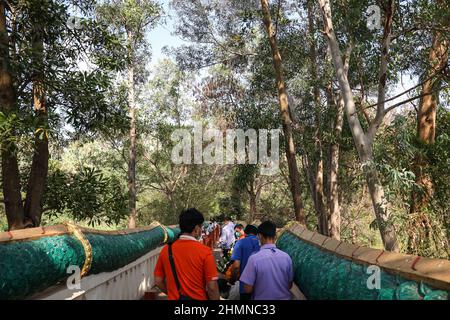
(270, 272)
(243, 249)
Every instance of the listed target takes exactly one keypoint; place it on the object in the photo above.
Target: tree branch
(414, 98)
(382, 79)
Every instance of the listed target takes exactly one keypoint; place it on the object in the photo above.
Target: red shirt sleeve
(159, 268)
(210, 268)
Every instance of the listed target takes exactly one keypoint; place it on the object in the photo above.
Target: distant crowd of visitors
(251, 267)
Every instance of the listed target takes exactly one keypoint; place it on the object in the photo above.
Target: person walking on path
(242, 251)
(186, 269)
(269, 273)
(239, 232)
(227, 238)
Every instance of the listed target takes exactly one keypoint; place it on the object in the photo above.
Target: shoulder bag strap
(174, 271)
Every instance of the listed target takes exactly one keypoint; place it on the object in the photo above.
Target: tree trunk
(321, 213)
(353, 229)
(380, 204)
(426, 120)
(363, 142)
(286, 118)
(39, 165)
(426, 117)
(309, 174)
(375, 188)
(253, 197)
(172, 203)
(335, 210)
(132, 151)
(426, 131)
(10, 168)
(253, 209)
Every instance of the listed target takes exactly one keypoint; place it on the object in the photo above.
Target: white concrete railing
(127, 283)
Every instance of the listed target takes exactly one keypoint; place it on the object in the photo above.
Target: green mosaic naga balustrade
(33, 260)
(329, 269)
(28, 266)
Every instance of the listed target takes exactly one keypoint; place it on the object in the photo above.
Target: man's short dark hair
(267, 229)
(239, 226)
(251, 229)
(190, 218)
(227, 218)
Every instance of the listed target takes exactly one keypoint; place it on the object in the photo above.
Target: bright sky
(162, 35)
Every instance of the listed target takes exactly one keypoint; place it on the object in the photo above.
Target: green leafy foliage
(86, 195)
(396, 152)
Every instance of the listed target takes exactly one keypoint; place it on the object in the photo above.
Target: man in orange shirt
(191, 274)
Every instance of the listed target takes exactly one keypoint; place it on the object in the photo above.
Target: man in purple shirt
(269, 273)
